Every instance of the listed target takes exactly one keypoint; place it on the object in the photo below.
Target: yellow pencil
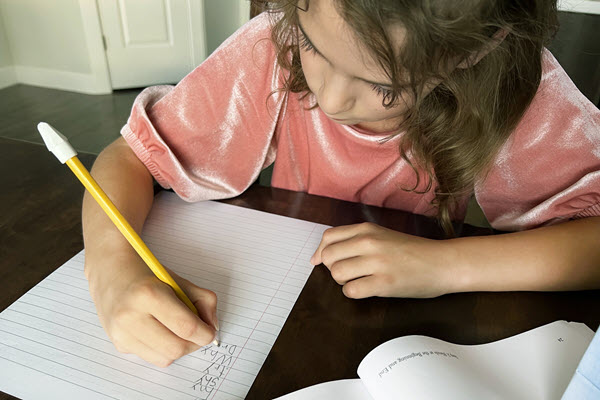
(62, 149)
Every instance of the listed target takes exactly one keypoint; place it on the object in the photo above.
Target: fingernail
(217, 340)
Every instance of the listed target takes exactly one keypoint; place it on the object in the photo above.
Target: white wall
(47, 42)
(7, 72)
(5, 56)
(56, 43)
(222, 18)
(46, 34)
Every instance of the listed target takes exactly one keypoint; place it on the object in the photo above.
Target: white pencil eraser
(56, 142)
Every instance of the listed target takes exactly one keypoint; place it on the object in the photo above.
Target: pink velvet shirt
(211, 135)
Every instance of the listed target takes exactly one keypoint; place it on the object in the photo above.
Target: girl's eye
(385, 93)
(306, 45)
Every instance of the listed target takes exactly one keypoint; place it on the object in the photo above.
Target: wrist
(112, 266)
(103, 244)
(459, 271)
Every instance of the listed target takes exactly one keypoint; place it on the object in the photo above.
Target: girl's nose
(335, 96)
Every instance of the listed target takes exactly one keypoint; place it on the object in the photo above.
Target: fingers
(336, 235)
(175, 316)
(350, 269)
(332, 235)
(359, 279)
(370, 260)
(367, 286)
(163, 341)
(160, 349)
(149, 320)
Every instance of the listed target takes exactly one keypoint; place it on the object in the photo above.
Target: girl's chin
(346, 121)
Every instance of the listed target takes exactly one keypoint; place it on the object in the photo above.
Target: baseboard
(8, 76)
(580, 6)
(62, 80)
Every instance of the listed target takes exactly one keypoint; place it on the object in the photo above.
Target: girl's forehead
(336, 41)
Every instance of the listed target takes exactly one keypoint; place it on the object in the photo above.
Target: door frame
(100, 78)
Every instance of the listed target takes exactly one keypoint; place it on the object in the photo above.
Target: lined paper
(52, 345)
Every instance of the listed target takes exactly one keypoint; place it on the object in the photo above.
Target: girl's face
(348, 84)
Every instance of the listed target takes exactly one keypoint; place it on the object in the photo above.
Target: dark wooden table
(326, 334)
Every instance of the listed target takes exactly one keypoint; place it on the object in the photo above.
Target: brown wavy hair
(454, 132)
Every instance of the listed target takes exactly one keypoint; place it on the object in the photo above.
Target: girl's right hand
(143, 316)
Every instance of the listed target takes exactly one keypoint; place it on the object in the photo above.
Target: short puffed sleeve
(549, 169)
(211, 135)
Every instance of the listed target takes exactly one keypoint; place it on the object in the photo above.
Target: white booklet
(537, 364)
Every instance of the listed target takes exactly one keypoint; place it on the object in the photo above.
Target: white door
(151, 42)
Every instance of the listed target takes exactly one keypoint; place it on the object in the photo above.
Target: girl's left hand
(370, 260)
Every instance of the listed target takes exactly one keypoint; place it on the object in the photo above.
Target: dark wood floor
(89, 121)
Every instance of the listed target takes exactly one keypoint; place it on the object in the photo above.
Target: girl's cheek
(311, 70)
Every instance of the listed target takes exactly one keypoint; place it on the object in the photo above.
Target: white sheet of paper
(52, 345)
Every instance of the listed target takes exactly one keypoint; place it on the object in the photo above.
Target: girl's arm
(559, 257)
(129, 185)
(370, 260)
(140, 314)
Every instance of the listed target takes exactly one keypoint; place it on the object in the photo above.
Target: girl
(403, 104)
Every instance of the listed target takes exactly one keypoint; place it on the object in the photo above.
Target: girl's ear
(476, 57)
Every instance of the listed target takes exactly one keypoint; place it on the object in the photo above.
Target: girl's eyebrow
(326, 59)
